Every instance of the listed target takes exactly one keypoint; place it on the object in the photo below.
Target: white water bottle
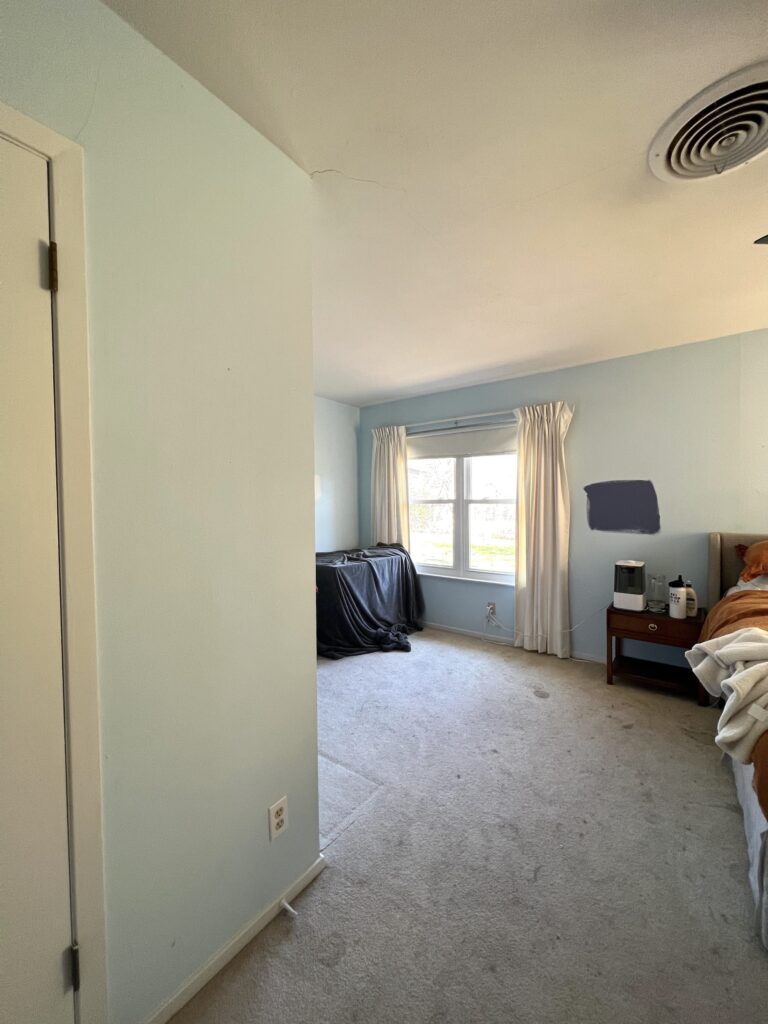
(678, 596)
(691, 600)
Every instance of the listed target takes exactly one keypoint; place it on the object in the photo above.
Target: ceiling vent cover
(720, 129)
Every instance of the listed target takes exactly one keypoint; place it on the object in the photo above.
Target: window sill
(464, 579)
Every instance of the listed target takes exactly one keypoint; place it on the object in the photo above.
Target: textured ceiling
(483, 203)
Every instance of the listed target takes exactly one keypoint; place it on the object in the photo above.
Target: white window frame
(461, 502)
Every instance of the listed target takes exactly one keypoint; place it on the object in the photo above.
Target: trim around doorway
(73, 432)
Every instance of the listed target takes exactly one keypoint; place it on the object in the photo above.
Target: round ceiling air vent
(720, 129)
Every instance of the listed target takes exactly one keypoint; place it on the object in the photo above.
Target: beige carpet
(344, 794)
(509, 840)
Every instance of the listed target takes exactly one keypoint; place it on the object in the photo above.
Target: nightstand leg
(703, 695)
(609, 661)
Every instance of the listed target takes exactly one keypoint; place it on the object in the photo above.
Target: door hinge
(74, 966)
(53, 267)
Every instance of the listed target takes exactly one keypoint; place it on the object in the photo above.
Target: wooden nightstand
(656, 629)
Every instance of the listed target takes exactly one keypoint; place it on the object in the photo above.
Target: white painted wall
(336, 428)
(199, 305)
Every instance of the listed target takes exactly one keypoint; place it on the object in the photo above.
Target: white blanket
(735, 666)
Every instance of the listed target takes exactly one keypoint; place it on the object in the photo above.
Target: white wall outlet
(278, 818)
(490, 610)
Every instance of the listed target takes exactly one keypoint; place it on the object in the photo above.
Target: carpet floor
(509, 841)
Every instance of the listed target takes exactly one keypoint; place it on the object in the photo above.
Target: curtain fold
(542, 610)
(389, 486)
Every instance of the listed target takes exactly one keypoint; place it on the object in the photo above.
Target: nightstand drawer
(656, 628)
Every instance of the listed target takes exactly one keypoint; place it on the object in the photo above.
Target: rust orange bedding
(743, 610)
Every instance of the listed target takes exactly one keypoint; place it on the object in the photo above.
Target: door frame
(75, 497)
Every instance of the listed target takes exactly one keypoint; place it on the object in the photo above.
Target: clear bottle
(657, 594)
(691, 601)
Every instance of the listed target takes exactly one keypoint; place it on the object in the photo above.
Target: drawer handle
(652, 626)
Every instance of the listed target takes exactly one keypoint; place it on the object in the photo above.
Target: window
(462, 515)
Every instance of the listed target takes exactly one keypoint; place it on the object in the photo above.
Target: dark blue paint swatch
(623, 506)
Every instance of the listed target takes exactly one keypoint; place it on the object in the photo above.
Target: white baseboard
(493, 638)
(578, 656)
(230, 949)
(507, 641)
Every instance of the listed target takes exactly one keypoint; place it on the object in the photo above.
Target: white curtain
(389, 486)
(542, 612)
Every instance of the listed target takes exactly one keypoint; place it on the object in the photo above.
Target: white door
(35, 919)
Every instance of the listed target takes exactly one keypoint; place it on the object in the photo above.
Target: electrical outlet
(490, 610)
(278, 818)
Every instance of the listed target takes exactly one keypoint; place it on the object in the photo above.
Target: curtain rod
(458, 419)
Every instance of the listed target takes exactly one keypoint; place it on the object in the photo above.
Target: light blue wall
(336, 521)
(710, 475)
(200, 342)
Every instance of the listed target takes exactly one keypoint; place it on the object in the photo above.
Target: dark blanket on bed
(367, 600)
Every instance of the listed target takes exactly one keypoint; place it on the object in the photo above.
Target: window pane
(492, 476)
(492, 537)
(432, 534)
(431, 479)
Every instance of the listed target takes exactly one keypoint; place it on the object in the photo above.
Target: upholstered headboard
(724, 564)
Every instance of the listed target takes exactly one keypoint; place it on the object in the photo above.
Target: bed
(725, 564)
(368, 599)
